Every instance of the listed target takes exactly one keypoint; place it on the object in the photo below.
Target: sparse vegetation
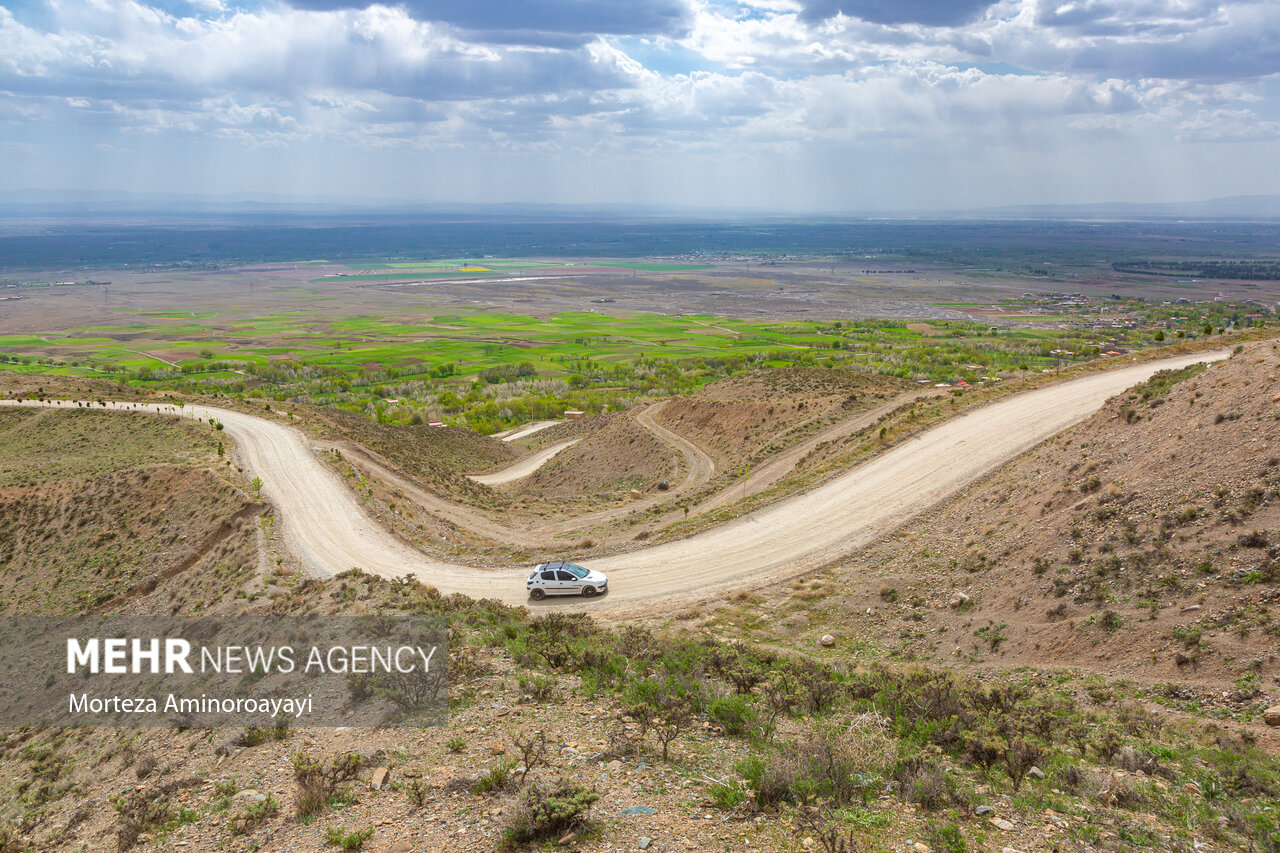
(545, 813)
(354, 839)
(320, 782)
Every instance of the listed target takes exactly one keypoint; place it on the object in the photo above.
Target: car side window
(548, 576)
(564, 576)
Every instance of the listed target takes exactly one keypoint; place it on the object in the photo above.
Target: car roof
(554, 564)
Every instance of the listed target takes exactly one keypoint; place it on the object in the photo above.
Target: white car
(561, 578)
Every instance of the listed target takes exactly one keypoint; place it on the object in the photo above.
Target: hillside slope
(1141, 543)
(749, 417)
(618, 455)
(88, 512)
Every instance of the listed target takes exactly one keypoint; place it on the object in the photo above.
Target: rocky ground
(1074, 655)
(1141, 544)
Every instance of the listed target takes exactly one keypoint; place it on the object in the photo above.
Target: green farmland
(489, 370)
(375, 271)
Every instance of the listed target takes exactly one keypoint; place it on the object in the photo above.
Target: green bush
(947, 837)
(734, 713)
(338, 836)
(254, 816)
(318, 781)
(139, 812)
(495, 778)
(546, 813)
(831, 767)
(726, 795)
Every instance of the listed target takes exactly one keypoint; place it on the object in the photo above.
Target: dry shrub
(839, 764)
(1118, 791)
(318, 781)
(547, 813)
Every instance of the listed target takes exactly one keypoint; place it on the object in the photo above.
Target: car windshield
(578, 571)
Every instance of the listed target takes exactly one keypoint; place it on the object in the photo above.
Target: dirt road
(525, 431)
(700, 466)
(784, 463)
(523, 467)
(327, 529)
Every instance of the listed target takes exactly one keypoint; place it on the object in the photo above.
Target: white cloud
(762, 78)
(1227, 126)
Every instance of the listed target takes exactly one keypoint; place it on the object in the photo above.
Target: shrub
(539, 687)
(338, 836)
(836, 766)
(1071, 777)
(546, 813)
(11, 842)
(318, 781)
(735, 714)
(139, 812)
(726, 795)
(830, 834)
(495, 778)
(1019, 758)
(947, 837)
(931, 790)
(253, 816)
(416, 791)
(533, 751)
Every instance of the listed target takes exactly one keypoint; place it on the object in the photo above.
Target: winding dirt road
(328, 530)
(784, 463)
(523, 467)
(525, 431)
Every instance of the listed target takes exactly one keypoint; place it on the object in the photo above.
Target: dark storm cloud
(1208, 42)
(1128, 17)
(933, 13)
(550, 23)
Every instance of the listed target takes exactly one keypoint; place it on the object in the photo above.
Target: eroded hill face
(749, 417)
(96, 504)
(1142, 543)
(611, 459)
(431, 457)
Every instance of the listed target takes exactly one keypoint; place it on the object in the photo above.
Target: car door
(549, 584)
(566, 583)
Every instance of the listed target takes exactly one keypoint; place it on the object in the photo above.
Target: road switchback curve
(327, 528)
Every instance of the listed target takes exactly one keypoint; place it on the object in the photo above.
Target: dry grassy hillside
(89, 512)
(432, 457)
(568, 735)
(1141, 543)
(754, 415)
(616, 456)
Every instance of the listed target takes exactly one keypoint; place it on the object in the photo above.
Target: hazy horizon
(778, 106)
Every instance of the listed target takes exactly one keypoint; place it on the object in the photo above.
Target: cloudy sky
(787, 105)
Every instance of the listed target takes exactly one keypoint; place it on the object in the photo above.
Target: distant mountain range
(108, 203)
(1231, 207)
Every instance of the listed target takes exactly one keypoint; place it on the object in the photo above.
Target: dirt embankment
(435, 458)
(89, 512)
(1143, 542)
(751, 417)
(603, 466)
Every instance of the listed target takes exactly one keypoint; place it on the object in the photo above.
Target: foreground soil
(760, 738)
(1141, 544)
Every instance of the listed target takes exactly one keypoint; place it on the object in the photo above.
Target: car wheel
(537, 594)
(588, 591)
